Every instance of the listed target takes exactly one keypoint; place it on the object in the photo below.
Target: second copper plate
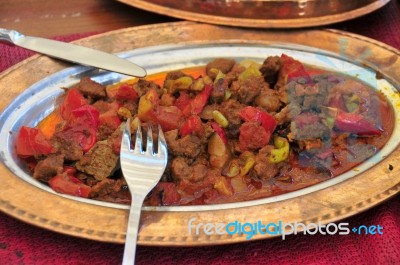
(261, 13)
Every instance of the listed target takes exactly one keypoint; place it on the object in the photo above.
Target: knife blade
(72, 53)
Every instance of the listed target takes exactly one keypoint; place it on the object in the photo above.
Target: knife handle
(9, 36)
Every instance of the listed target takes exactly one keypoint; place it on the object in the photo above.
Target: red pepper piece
(73, 100)
(122, 92)
(355, 123)
(195, 105)
(252, 136)
(86, 137)
(69, 184)
(169, 117)
(85, 116)
(218, 129)
(192, 125)
(252, 114)
(182, 101)
(32, 142)
(293, 69)
(164, 194)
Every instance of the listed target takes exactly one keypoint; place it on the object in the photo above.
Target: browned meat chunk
(189, 146)
(268, 100)
(233, 75)
(143, 85)
(100, 161)
(222, 64)
(111, 190)
(102, 106)
(90, 88)
(247, 90)
(264, 169)
(103, 132)
(218, 91)
(206, 114)
(102, 188)
(174, 75)
(181, 169)
(69, 148)
(231, 109)
(270, 69)
(48, 167)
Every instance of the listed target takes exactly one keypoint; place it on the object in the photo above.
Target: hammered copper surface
(261, 13)
(40, 208)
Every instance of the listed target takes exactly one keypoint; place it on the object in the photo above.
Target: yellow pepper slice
(252, 70)
(220, 119)
(223, 186)
(248, 160)
(281, 152)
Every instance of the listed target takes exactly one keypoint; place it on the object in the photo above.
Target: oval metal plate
(261, 13)
(174, 46)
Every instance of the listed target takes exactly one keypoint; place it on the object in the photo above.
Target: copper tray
(343, 196)
(261, 13)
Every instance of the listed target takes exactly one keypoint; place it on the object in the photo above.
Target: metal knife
(72, 53)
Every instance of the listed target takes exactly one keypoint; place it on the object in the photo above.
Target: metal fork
(142, 171)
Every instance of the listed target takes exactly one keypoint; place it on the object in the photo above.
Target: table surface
(46, 18)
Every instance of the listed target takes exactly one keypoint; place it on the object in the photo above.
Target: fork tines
(150, 145)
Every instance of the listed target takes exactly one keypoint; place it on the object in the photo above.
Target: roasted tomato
(356, 123)
(292, 68)
(85, 116)
(122, 92)
(73, 100)
(169, 117)
(32, 142)
(68, 184)
(192, 125)
(253, 114)
(253, 136)
(195, 105)
(164, 194)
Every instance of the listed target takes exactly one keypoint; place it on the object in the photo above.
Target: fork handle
(132, 230)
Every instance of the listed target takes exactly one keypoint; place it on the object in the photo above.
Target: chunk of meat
(247, 90)
(181, 169)
(264, 169)
(48, 167)
(234, 73)
(270, 69)
(104, 187)
(67, 147)
(189, 146)
(222, 64)
(218, 91)
(100, 161)
(91, 89)
(173, 75)
(231, 110)
(143, 85)
(268, 100)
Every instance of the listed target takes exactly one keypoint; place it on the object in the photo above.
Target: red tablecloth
(24, 244)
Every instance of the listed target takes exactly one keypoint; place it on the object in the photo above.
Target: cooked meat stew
(235, 131)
